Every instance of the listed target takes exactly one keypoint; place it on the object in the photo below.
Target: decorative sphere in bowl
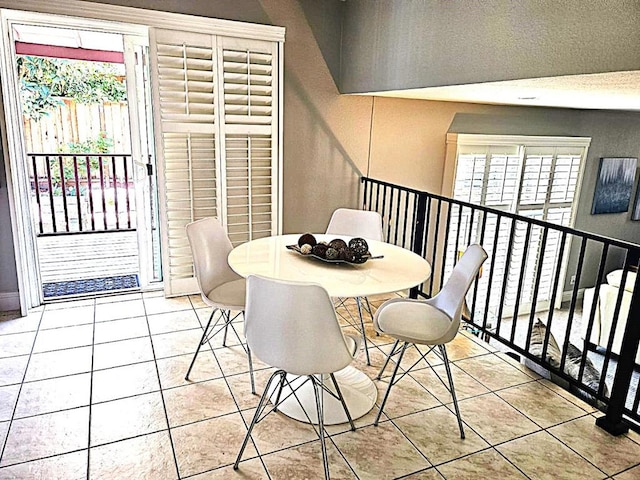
(320, 250)
(359, 246)
(348, 255)
(308, 239)
(332, 254)
(338, 244)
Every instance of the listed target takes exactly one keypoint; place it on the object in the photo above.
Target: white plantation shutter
(485, 175)
(550, 177)
(250, 188)
(488, 175)
(532, 179)
(248, 82)
(217, 134)
(250, 137)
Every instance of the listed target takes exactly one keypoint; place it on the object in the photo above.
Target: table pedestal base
(359, 393)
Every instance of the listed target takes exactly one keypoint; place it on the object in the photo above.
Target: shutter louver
(469, 182)
(535, 179)
(249, 138)
(217, 112)
(186, 93)
(249, 187)
(565, 178)
(248, 90)
(502, 180)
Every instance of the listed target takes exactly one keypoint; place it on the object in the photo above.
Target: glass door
(141, 121)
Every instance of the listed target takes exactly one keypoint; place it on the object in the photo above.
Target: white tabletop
(400, 269)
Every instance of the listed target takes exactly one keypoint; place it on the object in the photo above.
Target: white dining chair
(433, 322)
(220, 287)
(292, 327)
(357, 223)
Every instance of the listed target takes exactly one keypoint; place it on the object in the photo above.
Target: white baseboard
(9, 301)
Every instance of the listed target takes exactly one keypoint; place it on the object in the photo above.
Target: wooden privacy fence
(76, 122)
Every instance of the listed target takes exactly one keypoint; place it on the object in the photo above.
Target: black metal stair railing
(82, 193)
(525, 288)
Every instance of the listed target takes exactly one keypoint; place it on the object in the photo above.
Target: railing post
(612, 422)
(418, 233)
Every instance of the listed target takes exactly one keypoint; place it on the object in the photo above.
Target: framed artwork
(635, 214)
(614, 185)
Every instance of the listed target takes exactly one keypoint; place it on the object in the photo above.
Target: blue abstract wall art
(635, 214)
(614, 185)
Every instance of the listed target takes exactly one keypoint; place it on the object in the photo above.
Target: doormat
(91, 285)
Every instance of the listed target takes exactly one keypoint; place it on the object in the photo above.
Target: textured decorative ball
(319, 250)
(307, 238)
(332, 254)
(359, 246)
(306, 249)
(338, 244)
(322, 242)
(347, 255)
(359, 258)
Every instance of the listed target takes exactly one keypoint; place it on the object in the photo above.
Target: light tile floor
(95, 389)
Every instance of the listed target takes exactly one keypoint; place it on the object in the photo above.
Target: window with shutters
(536, 177)
(218, 123)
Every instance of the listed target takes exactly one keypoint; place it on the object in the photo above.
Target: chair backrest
(356, 223)
(293, 326)
(210, 247)
(451, 298)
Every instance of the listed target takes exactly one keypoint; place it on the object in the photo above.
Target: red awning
(53, 51)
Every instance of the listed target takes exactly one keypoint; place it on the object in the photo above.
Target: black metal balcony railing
(82, 193)
(521, 280)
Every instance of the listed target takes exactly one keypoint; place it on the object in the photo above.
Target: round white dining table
(398, 269)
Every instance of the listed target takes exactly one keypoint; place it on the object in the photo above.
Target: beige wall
(408, 141)
(326, 135)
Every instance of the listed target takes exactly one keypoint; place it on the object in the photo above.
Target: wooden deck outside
(86, 256)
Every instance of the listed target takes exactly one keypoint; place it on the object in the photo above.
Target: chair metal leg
(386, 362)
(366, 300)
(256, 416)
(364, 334)
(443, 351)
(341, 398)
(204, 335)
(253, 382)
(278, 395)
(318, 390)
(393, 376)
(226, 328)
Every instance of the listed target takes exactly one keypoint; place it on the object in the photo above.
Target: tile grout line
(15, 405)
(239, 411)
(164, 404)
(571, 448)
(510, 462)
(541, 429)
(93, 338)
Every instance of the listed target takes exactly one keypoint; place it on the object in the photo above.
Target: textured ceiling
(602, 91)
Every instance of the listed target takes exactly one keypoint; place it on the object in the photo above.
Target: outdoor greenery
(101, 144)
(44, 81)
